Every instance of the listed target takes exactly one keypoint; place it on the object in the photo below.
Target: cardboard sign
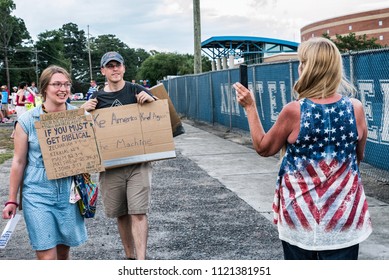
(134, 133)
(160, 92)
(68, 144)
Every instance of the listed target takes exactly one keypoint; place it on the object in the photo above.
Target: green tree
(52, 47)
(13, 33)
(160, 65)
(99, 46)
(66, 47)
(75, 51)
(133, 58)
(351, 42)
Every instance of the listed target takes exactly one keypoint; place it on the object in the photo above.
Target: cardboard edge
(113, 163)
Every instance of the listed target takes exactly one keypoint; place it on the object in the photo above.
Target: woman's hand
(9, 211)
(244, 97)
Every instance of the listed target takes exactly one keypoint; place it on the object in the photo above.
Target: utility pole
(90, 59)
(197, 36)
(36, 64)
(33, 50)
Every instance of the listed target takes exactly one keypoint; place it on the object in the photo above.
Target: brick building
(373, 23)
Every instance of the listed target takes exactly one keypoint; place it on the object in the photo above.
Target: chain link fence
(210, 97)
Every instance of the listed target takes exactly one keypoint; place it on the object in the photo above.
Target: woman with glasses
(53, 223)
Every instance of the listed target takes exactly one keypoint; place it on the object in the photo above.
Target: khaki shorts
(126, 190)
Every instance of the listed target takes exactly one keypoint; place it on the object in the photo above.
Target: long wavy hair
(321, 70)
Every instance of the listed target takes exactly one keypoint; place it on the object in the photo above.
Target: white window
(381, 37)
(350, 27)
(328, 31)
(380, 23)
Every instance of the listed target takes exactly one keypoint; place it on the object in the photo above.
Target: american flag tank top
(319, 201)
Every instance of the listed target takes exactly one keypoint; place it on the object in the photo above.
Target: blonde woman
(320, 206)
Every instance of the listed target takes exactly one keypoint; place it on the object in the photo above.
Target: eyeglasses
(58, 85)
(113, 65)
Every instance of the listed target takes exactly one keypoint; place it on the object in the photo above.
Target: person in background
(4, 104)
(14, 96)
(1, 112)
(33, 88)
(21, 103)
(21, 99)
(38, 99)
(92, 89)
(12, 100)
(30, 99)
(53, 223)
(125, 190)
(320, 206)
(145, 84)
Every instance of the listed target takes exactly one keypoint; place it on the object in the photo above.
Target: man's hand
(90, 105)
(143, 97)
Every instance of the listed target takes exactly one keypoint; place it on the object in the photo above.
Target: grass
(77, 103)
(6, 143)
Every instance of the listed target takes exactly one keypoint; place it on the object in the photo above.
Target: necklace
(45, 110)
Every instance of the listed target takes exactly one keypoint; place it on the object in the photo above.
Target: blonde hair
(321, 69)
(321, 72)
(46, 75)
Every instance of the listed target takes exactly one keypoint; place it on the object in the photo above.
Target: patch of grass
(6, 143)
(77, 103)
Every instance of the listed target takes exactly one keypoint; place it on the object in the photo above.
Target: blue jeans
(292, 252)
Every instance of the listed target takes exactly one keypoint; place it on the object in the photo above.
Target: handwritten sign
(134, 133)
(159, 91)
(68, 144)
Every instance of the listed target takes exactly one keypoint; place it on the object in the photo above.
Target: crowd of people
(320, 206)
(21, 99)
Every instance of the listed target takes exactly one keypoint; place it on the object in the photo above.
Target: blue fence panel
(192, 97)
(205, 110)
(272, 91)
(239, 118)
(373, 91)
(221, 89)
(347, 65)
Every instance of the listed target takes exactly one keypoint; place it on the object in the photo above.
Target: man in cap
(125, 190)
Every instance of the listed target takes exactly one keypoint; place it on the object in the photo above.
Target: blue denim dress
(50, 218)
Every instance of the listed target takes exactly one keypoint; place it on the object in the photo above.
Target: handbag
(88, 192)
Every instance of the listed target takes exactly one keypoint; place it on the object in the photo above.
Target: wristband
(11, 202)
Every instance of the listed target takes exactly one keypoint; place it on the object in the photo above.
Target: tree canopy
(22, 59)
(351, 42)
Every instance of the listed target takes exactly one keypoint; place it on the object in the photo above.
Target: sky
(167, 25)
